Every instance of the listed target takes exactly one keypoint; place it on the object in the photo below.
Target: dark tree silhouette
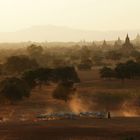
(107, 72)
(66, 74)
(45, 75)
(128, 70)
(14, 89)
(18, 64)
(38, 76)
(113, 55)
(34, 51)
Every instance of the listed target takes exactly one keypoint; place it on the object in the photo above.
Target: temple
(104, 44)
(118, 43)
(127, 43)
(137, 40)
(127, 47)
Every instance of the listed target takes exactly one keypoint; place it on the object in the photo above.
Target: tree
(38, 76)
(85, 65)
(34, 51)
(128, 70)
(30, 78)
(107, 72)
(64, 91)
(66, 74)
(98, 57)
(85, 53)
(14, 89)
(45, 75)
(114, 55)
(121, 71)
(19, 64)
(133, 69)
(136, 55)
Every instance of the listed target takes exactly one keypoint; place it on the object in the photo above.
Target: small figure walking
(108, 115)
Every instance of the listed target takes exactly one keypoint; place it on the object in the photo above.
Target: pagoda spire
(127, 42)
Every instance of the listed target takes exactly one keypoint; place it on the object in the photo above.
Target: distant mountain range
(62, 34)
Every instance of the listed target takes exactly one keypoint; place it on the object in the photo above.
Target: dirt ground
(91, 129)
(117, 128)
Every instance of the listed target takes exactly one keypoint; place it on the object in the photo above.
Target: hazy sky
(82, 14)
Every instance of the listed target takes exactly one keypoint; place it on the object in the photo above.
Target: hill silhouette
(62, 34)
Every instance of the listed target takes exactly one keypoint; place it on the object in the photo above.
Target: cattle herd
(56, 116)
(73, 116)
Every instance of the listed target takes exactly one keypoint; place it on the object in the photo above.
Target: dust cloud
(127, 108)
(77, 105)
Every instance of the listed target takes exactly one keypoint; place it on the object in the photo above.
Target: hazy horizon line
(70, 27)
(57, 33)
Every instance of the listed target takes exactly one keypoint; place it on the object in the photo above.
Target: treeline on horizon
(22, 69)
(71, 53)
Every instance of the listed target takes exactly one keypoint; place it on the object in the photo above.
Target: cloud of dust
(78, 104)
(50, 110)
(129, 109)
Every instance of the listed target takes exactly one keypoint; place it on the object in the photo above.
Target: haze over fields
(62, 34)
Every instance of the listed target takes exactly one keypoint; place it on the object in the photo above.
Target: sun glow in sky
(82, 14)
